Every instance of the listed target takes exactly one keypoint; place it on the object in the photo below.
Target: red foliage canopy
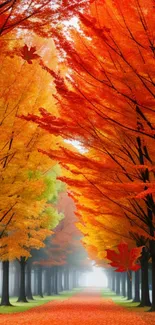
(41, 16)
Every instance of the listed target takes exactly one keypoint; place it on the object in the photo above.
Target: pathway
(85, 308)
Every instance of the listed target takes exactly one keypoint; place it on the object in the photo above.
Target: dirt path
(85, 308)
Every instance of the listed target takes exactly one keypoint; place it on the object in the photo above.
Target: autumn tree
(110, 82)
(28, 179)
(39, 16)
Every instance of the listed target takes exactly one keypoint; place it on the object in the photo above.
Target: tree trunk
(48, 281)
(43, 280)
(60, 286)
(16, 279)
(40, 292)
(113, 281)
(153, 284)
(35, 282)
(22, 294)
(52, 279)
(66, 279)
(137, 287)
(5, 285)
(77, 279)
(118, 283)
(123, 278)
(145, 299)
(74, 278)
(71, 279)
(152, 251)
(56, 292)
(28, 285)
(129, 285)
(109, 276)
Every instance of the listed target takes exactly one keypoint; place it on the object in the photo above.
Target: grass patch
(122, 301)
(23, 306)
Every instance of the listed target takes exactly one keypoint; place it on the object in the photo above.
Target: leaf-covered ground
(22, 306)
(86, 307)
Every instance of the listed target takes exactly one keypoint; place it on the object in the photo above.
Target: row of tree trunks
(52, 283)
(121, 283)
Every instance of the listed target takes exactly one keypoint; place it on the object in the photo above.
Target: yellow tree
(25, 173)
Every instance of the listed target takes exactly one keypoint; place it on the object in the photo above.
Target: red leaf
(126, 259)
(29, 54)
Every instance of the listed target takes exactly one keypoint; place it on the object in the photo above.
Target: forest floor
(86, 307)
(131, 307)
(18, 307)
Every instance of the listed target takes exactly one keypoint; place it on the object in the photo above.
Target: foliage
(125, 259)
(39, 16)
(64, 246)
(29, 188)
(105, 97)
